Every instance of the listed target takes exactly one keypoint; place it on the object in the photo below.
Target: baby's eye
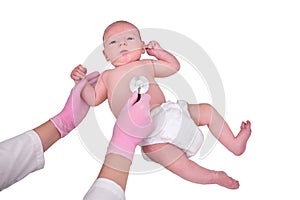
(130, 38)
(112, 42)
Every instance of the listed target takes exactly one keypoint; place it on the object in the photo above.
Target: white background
(255, 46)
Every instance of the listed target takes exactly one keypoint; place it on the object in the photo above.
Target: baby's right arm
(93, 96)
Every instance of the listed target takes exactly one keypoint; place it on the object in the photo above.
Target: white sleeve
(19, 156)
(105, 189)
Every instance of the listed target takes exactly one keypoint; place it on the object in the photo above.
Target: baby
(176, 136)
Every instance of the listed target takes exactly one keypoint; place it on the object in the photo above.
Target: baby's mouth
(124, 51)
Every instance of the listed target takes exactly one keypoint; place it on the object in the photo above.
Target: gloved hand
(75, 108)
(133, 124)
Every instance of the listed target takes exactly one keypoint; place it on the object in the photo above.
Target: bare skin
(123, 48)
(219, 128)
(177, 162)
(48, 134)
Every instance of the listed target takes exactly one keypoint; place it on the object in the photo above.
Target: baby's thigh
(165, 154)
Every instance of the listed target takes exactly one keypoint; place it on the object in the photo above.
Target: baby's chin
(125, 59)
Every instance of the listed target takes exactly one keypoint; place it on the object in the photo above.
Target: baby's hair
(119, 22)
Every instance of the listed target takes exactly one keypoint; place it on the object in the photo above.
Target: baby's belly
(156, 101)
(118, 102)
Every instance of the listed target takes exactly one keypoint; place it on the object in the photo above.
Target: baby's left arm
(166, 63)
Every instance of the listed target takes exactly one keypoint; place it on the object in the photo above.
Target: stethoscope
(139, 84)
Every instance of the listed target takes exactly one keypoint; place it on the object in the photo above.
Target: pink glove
(134, 123)
(75, 109)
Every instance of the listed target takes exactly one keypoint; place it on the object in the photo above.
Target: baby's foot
(226, 181)
(242, 138)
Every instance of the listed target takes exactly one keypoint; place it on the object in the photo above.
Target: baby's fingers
(78, 72)
(82, 69)
(153, 45)
(77, 76)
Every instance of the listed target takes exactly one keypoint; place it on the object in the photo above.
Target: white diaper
(174, 125)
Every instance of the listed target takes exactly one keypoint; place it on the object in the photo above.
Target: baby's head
(122, 43)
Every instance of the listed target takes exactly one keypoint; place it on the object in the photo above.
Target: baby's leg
(205, 114)
(175, 160)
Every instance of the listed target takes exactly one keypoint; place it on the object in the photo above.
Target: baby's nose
(123, 43)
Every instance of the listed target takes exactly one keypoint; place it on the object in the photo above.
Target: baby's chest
(120, 79)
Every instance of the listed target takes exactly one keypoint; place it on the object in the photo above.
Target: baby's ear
(106, 57)
(144, 47)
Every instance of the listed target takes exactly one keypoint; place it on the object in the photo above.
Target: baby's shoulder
(107, 72)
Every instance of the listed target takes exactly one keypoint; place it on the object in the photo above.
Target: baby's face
(122, 44)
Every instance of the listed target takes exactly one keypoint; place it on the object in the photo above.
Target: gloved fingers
(80, 85)
(145, 98)
(144, 101)
(92, 78)
(133, 98)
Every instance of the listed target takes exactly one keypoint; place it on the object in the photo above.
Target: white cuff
(105, 189)
(19, 156)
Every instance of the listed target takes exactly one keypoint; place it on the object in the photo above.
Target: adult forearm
(48, 134)
(116, 168)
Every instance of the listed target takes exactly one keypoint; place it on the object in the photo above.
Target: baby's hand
(78, 73)
(152, 47)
